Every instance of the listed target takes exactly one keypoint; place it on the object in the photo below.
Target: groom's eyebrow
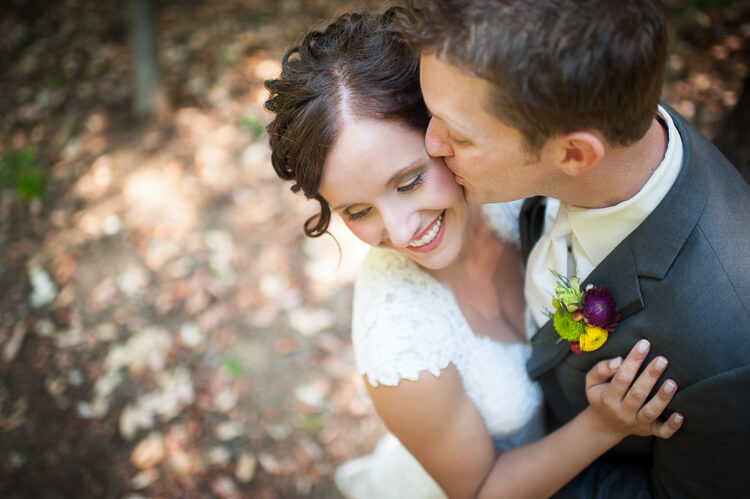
(453, 125)
(449, 123)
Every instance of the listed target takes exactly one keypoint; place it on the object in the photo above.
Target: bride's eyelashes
(351, 217)
(411, 185)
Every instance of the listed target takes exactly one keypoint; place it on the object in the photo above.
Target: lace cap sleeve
(401, 320)
(503, 218)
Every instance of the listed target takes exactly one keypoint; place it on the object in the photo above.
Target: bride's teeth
(427, 238)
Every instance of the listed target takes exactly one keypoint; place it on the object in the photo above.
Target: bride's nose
(401, 225)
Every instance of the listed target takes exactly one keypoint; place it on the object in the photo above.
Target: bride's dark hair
(358, 67)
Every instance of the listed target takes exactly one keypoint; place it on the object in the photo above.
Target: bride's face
(380, 180)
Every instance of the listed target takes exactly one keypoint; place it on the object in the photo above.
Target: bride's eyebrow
(401, 172)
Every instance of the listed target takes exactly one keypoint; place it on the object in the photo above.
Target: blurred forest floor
(166, 330)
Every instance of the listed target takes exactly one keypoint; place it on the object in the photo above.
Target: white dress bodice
(405, 322)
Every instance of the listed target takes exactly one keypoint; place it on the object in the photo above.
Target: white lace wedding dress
(404, 322)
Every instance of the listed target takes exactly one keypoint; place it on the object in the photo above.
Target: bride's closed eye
(413, 184)
(351, 217)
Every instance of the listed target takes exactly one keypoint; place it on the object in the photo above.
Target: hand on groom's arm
(706, 458)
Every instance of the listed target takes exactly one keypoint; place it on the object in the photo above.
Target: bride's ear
(577, 152)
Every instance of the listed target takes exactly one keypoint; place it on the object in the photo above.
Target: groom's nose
(435, 140)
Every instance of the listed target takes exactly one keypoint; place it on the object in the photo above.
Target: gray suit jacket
(682, 280)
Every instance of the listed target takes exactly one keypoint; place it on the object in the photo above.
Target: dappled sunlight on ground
(180, 318)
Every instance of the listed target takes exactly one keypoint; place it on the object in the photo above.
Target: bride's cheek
(364, 233)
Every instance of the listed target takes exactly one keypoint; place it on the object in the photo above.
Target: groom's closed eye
(459, 141)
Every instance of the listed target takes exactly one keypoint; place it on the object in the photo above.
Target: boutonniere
(584, 318)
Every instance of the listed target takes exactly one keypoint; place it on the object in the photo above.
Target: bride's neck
(487, 280)
(480, 248)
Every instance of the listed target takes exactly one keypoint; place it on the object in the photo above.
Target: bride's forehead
(352, 182)
(362, 138)
(371, 149)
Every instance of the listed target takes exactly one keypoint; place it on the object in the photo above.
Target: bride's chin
(436, 262)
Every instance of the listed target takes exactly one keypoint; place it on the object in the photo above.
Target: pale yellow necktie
(550, 252)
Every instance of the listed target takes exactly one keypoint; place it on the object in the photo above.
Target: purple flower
(599, 308)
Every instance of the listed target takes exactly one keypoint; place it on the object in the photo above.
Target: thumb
(602, 372)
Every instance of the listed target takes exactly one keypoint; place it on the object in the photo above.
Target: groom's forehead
(446, 85)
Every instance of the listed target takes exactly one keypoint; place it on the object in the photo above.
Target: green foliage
(233, 366)
(311, 422)
(230, 54)
(688, 9)
(252, 125)
(19, 169)
(55, 82)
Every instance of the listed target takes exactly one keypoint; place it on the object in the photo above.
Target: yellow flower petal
(593, 338)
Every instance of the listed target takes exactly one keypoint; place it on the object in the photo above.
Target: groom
(559, 100)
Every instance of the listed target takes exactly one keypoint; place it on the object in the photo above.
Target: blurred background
(166, 330)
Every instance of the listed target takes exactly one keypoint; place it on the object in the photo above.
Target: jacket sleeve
(706, 458)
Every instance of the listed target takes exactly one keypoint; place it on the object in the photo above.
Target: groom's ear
(577, 152)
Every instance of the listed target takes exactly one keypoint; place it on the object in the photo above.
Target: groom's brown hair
(555, 65)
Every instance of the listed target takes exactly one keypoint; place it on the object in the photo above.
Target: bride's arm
(441, 427)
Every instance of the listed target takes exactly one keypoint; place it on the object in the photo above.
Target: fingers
(665, 429)
(602, 372)
(654, 407)
(625, 375)
(616, 391)
(643, 385)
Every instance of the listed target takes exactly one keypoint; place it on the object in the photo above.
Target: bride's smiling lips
(429, 238)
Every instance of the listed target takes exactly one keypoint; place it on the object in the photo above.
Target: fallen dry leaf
(149, 452)
(13, 345)
(245, 467)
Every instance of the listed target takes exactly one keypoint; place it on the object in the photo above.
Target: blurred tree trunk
(149, 99)
(733, 137)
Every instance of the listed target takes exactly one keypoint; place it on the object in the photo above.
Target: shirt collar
(600, 230)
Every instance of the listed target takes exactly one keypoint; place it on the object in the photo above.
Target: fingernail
(615, 363)
(660, 363)
(678, 418)
(642, 346)
(670, 386)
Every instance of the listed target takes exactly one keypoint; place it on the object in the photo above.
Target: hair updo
(360, 58)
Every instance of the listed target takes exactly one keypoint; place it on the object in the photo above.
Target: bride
(438, 307)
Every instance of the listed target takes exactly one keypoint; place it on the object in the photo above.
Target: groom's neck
(621, 174)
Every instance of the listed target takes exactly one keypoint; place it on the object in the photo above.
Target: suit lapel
(618, 273)
(648, 251)
(531, 223)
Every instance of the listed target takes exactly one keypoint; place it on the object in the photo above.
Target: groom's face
(488, 157)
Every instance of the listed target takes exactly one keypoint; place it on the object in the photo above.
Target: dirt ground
(166, 330)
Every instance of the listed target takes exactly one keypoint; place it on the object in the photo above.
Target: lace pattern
(405, 322)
